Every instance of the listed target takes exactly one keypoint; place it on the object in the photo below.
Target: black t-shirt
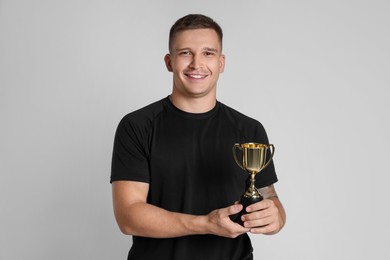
(188, 162)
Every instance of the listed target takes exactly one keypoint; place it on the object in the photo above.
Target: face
(196, 62)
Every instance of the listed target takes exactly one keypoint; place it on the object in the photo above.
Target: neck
(193, 104)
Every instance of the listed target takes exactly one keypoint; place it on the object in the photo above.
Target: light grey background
(315, 73)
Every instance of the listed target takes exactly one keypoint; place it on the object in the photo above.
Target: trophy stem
(250, 197)
(252, 192)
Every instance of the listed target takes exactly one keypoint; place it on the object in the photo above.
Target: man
(175, 183)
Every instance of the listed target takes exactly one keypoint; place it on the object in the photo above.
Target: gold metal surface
(254, 160)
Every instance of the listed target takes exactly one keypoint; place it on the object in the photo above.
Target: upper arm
(128, 192)
(125, 194)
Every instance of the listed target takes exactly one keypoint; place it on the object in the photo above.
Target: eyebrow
(210, 49)
(181, 49)
(189, 49)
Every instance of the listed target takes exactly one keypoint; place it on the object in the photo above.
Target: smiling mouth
(196, 76)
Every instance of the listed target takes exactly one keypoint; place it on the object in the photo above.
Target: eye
(185, 53)
(209, 53)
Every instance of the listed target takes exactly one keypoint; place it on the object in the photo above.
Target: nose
(196, 62)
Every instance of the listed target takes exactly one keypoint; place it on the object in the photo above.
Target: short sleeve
(129, 158)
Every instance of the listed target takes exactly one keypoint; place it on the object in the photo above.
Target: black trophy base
(245, 201)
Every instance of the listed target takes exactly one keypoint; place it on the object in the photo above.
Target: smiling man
(196, 61)
(175, 183)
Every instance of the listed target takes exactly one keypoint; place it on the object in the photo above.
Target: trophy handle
(272, 155)
(235, 156)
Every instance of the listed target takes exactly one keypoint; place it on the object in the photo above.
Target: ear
(221, 63)
(168, 62)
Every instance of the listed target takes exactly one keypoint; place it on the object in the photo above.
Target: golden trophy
(254, 160)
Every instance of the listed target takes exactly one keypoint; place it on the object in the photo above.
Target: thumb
(234, 209)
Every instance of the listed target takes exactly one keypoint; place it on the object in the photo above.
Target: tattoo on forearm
(268, 192)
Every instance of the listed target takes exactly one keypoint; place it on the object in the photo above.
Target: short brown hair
(194, 21)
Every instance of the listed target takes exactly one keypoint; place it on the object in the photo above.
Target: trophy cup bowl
(254, 160)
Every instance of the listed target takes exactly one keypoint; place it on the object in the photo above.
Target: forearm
(142, 219)
(137, 217)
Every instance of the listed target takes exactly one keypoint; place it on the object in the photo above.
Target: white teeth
(196, 76)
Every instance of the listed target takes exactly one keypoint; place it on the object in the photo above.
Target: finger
(266, 229)
(257, 223)
(264, 204)
(257, 215)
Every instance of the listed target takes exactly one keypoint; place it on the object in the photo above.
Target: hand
(222, 225)
(264, 217)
